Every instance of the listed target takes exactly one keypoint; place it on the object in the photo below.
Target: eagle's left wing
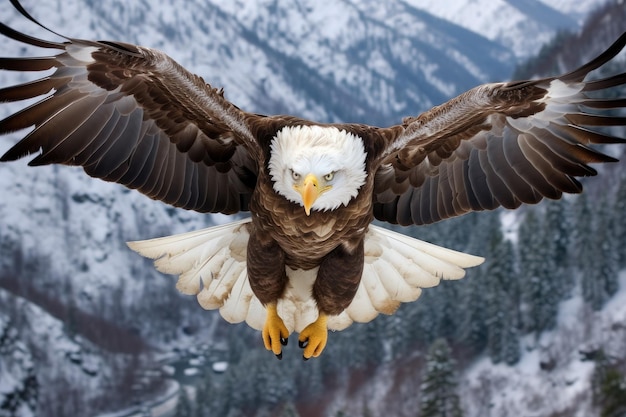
(132, 115)
(498, 145)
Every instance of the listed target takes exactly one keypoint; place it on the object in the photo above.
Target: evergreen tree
(598, 254)
(606, 239)
(608, 387)
(537, 269)
(502, 302)
(613, 394)
(276, 381)
(22, 394)
(205, 394)
(367, 412)
(428, 313)
(510, 353)
(228, 401)
(619, 216)
(309, 379)
(183, 406)
(495, 297)
(472, 329)
(586, 256)
(415, 323)
(360, 345)
(289, 410)
(438, 396)
(396, 332)
(581, 231)
(557, 229)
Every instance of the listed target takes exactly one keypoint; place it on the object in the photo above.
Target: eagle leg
(313, 337)
(267, 281)
(334, 289)
(275, 333)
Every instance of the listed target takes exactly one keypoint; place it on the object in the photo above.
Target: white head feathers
(334, 156)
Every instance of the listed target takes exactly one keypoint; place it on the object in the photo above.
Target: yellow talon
(313, 337)
(275, 332)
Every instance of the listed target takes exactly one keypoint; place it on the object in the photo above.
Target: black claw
(303, 344)
(304, 358)
(284, 341)
(280, 356)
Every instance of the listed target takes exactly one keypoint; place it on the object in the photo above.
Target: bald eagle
(308, 259)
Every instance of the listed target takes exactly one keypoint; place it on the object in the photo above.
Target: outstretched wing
(498, 145)
(134, 116)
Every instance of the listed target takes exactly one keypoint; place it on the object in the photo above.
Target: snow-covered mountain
(62, 234)
(522, 25)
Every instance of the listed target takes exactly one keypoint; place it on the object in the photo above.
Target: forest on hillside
(562, 246)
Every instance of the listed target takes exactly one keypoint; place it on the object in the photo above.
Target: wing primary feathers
(584, 119)
(500, 194)
(144, 121)
(587, 136)
(608, 103)
(74, 114)
(579, 74)
(28, 64)
(605, 83)
(501, 144)
(82, 155)
(38, 112)
(30, 89)
(479, 182)
(21, 37)
(138, 159)
(27, 15)
(520, 189)
(121, 147)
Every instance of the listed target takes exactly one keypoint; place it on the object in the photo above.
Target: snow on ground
(44, 338)
(159, 407)
(552, 376)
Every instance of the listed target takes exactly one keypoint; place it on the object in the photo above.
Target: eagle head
(317, 167)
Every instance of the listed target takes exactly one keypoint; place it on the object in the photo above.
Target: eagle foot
(275, 333)
(313, 337)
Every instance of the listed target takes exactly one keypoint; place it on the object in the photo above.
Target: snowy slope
(563, 386)
(552, 378)
(63, 233)
(509, 22)
(37, 354)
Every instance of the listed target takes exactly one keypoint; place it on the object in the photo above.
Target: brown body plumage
(287, 235)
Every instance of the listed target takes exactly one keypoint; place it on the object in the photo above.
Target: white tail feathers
(211, 264)
(396, 269)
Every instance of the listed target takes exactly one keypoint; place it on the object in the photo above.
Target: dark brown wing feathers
(132, 115)
(499, 145)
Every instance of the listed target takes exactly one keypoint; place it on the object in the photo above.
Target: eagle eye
(329, 176)
(295, 175)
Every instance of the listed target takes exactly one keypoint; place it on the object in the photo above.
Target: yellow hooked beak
(310, 190)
